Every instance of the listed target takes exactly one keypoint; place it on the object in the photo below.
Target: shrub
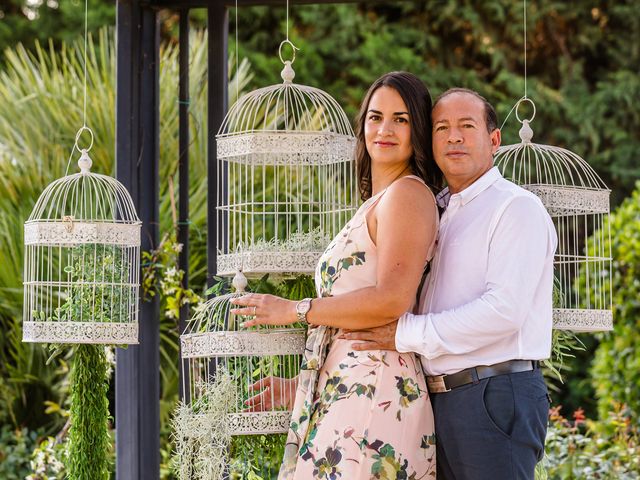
(15, 451)
(616, 366)
(583, 449)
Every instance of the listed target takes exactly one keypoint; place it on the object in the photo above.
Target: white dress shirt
(488, 297)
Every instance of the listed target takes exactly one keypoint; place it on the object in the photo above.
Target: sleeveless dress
(357, 414)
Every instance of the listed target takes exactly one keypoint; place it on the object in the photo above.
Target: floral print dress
(357, 415)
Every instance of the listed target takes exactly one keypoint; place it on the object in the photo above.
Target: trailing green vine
(89, 441)
(563, 342)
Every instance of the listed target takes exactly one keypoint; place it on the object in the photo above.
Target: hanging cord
(86, 33)
(524, 44)
(84, 106)
(237, 64)
(524, 98)
(287, 41)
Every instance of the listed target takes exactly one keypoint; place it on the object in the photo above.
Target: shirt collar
(472, 191)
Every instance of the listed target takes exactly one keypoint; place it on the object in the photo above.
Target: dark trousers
(494, 429)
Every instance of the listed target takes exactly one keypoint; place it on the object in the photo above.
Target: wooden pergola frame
(137, 158)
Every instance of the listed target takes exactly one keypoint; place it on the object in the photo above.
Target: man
(487, 305)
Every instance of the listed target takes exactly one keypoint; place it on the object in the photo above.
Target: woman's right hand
(275, 393)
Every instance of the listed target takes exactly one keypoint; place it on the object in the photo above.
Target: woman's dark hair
(418, 101)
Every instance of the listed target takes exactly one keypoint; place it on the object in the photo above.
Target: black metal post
(137, 147)
(218, 30)
(183, 200)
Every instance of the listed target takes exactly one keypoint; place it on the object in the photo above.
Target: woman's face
(387, 132)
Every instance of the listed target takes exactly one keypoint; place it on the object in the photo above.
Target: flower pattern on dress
(357, 414)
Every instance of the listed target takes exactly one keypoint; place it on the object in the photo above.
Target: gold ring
(254, 310)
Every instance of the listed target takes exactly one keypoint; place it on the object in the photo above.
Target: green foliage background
(616, 367)
(583, 60)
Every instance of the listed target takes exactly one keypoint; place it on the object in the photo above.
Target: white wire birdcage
(578, 202)
(214, 339)
(82, 260)
(285, 178)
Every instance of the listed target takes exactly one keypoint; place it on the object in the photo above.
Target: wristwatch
(302, 308)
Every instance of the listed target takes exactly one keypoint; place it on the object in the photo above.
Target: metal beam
(176, 4)
(183, 170)
(218, 31)
(137, 147)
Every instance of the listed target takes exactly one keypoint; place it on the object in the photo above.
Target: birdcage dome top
(85, 196)
(286, 107)
(286, 123)
(82, 208)
(563, 180)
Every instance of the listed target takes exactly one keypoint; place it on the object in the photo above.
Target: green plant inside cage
(98, 286)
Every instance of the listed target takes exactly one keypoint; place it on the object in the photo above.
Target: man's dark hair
(490, 116)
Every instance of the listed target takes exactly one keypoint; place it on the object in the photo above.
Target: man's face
(462, 146)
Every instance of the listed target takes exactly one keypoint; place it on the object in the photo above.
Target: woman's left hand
(264, 309)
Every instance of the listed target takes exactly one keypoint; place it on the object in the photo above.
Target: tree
(56, 21)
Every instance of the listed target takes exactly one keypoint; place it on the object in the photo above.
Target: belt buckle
(436, 384)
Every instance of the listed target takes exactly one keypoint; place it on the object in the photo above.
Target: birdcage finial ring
(83, 129)
(293, 49)
(526, 99)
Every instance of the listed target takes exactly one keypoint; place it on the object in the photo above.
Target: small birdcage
(82, 260)
(285, 178)
(214, 339)
(578, 202)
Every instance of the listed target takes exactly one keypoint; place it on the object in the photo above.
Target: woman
(361, 415)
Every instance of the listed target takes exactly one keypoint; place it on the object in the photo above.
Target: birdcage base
(563, 200)
(256, 423)
(268, 262)
(582, 320)
(80, 332)
(243, 343)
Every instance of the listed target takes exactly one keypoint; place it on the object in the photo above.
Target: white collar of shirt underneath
(472, 191)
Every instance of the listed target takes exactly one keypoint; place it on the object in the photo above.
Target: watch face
(303, 306)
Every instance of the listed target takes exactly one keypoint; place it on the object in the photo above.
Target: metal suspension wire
(525, 97)
(86, 28)
(84, 92)
(524, 43)
(236, 52)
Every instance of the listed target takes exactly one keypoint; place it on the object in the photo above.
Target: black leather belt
(445, 383)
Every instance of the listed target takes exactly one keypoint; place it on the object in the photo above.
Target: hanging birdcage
(82, 260)
(285, 178)
(214, 339)
(578, 202)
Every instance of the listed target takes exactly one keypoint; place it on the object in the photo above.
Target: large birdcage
(578, 202)
(82, 260)
(214, 339)
(285, 178)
